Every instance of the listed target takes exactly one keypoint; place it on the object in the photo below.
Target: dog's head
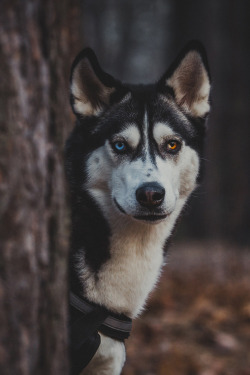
(136, 149)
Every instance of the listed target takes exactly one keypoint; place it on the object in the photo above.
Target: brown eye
(173, 146)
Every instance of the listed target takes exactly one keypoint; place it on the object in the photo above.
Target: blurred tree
(36, 48)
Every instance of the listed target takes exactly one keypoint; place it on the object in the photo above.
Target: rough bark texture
(34, 119)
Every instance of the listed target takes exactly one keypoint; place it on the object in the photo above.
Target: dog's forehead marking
(131, 135)
(162, 131)
(145, 127)
(146, 146)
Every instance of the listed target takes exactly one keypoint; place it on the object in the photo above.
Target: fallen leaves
(198, 319)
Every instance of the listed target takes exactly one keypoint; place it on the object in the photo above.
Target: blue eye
(119, 146)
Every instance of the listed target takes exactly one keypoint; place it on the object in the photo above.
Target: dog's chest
(125, 280)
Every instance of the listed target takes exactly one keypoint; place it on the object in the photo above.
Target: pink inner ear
(191, 85)
(91, 96)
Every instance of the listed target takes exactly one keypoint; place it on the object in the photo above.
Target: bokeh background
(197, 321)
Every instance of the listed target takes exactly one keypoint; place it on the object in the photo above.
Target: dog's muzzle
(150, 197)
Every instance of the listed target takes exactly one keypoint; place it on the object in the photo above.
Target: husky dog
(132, 160)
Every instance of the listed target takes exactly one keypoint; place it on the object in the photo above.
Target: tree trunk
(34, 119)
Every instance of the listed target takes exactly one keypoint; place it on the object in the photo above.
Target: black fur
(90, 231)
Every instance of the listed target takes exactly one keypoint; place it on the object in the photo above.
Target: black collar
(115, 326)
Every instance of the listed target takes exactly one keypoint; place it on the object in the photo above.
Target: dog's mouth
(148, 218)
(119, 207)
(152, 218)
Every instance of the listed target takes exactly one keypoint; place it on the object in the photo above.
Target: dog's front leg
(109, 358)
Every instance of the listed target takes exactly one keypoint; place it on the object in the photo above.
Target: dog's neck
(127, 276)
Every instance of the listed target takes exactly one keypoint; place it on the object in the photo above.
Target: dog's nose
(150, 194)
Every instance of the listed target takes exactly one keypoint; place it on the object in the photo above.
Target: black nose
(150, 195)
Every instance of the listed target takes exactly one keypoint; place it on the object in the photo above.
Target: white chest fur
(132, 271)
(125, 280)
(109, 358)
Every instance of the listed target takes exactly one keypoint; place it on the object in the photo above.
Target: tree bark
(35, 42)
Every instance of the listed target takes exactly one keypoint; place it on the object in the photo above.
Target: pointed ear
(189, 80)
(91, 88)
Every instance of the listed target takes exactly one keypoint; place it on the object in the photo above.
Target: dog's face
(141, 145)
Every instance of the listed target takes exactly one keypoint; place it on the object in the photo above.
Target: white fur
(81, 104)
(184, 172)
(145, 129)
(161, 132)
(125, 280)
(191, 77)
(85, 108)
(131, 135)
(202, 106)
(109, 358)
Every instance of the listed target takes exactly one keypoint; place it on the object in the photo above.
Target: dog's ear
(91, 88)
(188, 79)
